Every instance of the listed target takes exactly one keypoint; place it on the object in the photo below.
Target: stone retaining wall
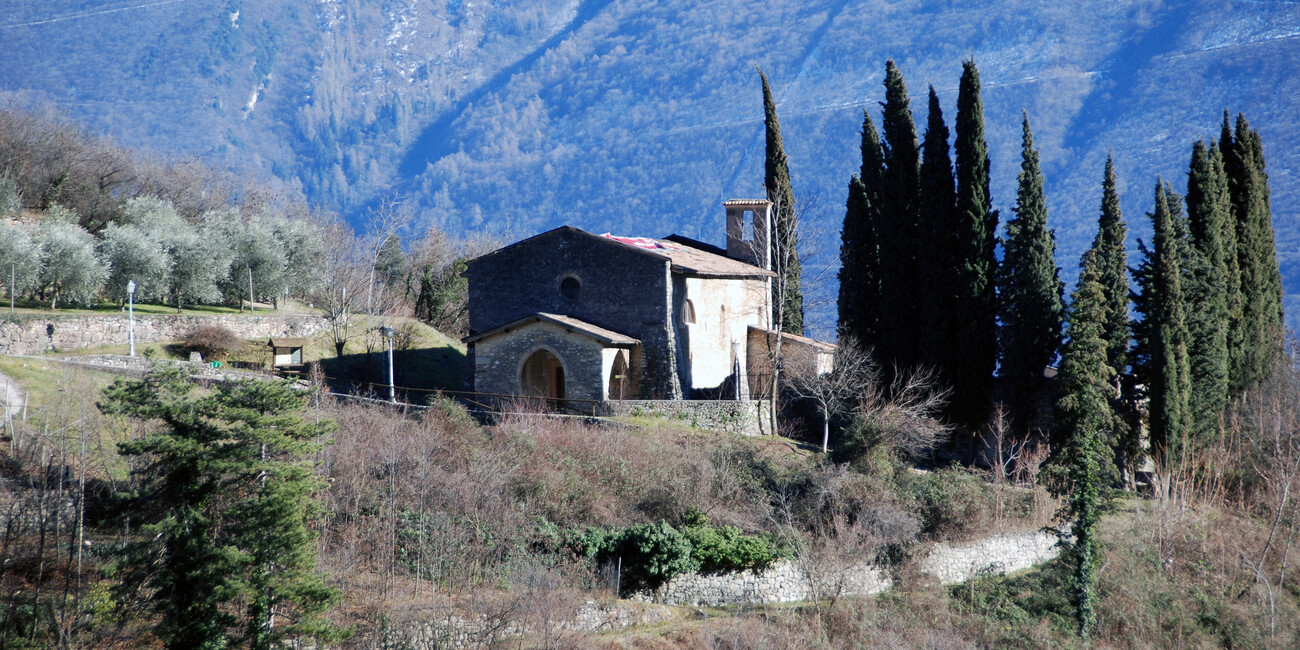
(787, 581)
(745, 417)
(40, 334)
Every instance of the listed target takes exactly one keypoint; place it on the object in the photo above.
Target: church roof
(607, 337)
(689, 259)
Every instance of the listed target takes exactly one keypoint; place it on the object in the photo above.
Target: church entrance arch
(543, 376)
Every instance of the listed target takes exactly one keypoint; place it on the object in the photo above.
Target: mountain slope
(641, 117)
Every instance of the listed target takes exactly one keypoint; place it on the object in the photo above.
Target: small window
(688, 313)
(570, 287)
(748, 220)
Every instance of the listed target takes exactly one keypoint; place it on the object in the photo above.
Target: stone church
(571, 315)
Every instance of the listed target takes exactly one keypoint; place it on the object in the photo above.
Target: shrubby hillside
(641, 117)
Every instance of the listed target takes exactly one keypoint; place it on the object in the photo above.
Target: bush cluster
(652, 554)
(211, 341)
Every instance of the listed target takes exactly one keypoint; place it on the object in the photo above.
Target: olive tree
(134, 256)
(69, 267)
(20, 259)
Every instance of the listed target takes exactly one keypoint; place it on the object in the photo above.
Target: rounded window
(688, 313)
(570, 287)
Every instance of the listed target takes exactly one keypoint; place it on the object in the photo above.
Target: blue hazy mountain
(641, 117)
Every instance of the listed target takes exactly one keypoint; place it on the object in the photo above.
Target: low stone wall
(788, 582)
(744, 417)
(961, 561)
(40, 334)
(784, 582)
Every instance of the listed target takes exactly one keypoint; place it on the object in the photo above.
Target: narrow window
(688, 313)
(748, 219)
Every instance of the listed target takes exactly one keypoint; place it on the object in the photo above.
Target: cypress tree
(1112, 268)
(1087, 385)
(1168, 378)
(1030, 293)
(1107, 261)
(859, 299)
(899, 236)
(1261, 280)
(1209, 318)
(937, 247)
(787, 296)
(974, 233)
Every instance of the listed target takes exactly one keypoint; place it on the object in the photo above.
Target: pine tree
(1168, 377)
(1031, 293)
(787, 296)
(1261, 283)
(936, 249)
(974, 232)
(859, 298)
(900, 238)
(231, 551)
(1087, 386)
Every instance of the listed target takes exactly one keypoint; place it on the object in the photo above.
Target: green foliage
(974, 234)
(787, 295)
(229, 556)
(899, 233)
(20, 256)
(1030, 292)
(443, 299)
(133, 255)
(727, 548)
(1261, 282)
(950, 502)
(1162, 364)
(1019, 603)
(69, 267)
(1214, 287)
(936, 253)
(652, 554)
(859, 275)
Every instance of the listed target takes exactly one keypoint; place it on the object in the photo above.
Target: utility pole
(130, 301)
(11, 289)
(388, 336)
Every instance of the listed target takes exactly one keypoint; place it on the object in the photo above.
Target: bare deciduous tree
(835, 388)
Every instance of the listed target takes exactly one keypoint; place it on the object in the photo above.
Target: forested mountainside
(639, 117)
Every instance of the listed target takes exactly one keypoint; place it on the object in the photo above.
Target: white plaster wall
(724, 310)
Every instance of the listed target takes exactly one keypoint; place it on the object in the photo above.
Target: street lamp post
(388, 336)
(130, 301)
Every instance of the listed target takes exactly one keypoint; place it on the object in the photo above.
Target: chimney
(749, 227)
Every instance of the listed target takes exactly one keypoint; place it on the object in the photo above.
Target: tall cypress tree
(1107, 261)
(1112, 270)
(1031, 293)
(1206, 275)
(1087, 387)
(938, 247)
(859, 299)
(787, 295)
(1261, 280)
(899, 236)
(974, 233)
(1168, 376)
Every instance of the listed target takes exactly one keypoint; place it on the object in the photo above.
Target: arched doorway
(543, 376)
(618, 377)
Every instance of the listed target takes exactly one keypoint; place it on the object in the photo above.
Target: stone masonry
(786, 581)
(745, 417)
(40, 334)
